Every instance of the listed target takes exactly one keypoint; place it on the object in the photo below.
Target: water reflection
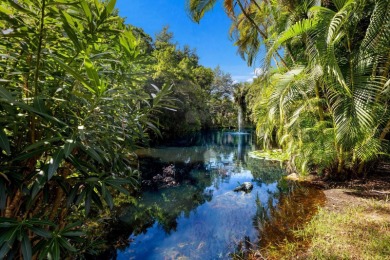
(200, 216)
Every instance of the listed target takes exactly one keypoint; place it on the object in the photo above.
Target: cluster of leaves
(72, 110)
(326, 103)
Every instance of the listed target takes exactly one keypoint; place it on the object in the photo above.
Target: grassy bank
(348, 227)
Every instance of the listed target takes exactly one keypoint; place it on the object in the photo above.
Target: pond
(188, 208)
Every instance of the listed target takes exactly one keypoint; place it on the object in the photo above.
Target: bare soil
(353, 192)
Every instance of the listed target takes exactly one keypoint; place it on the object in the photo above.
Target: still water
(188, 209)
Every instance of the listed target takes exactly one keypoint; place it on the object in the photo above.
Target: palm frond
(198, 8)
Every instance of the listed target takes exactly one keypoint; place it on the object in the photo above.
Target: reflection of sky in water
(213, 229)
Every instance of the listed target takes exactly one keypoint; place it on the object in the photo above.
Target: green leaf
(55, 250)
(66, 245)
(3, 195)
(39, 105)
(28, 155)
(74, 73)
(20, 8)
(117, 185)
(4, 142)
(108, 198)
(26, 247)
(41, 232)
(5, 248)
(68, 25)
(69, 146)
(87, 204)
(54, 163)
(6, 223)
(94, 155)
(110, 6)
(92, 72)
(72, 194)
(87, 10)
(10, 234)
(73, 233)
(42, 143)
(8, 97)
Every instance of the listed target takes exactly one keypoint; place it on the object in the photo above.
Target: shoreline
(353, 223)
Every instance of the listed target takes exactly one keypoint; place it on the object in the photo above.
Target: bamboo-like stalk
(39, 49)
(9, 210)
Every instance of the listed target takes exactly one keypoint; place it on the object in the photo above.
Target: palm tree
(250, 25)
(352, 69)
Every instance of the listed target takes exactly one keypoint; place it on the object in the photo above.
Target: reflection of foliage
(164, 207)
(262, 214)
(276, 222)
(294, 209)
(265, 171)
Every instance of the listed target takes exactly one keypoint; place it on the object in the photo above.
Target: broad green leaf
(92, 72)
(4, 10)
(3, 194)
(24, 156)
(66, 245)
(42, 143)
(91, 152)
(73, 233)
(26, 247)
(4, 142)
(55, 250)
(8, 97)
(110, 6)
(87, 204)
(5, 248)
(69, 146)
(74, 73)
(72, 194)
(39, 105)
(41, 232)
(68, 25)
(10, 234)
(20, 8)
(54, 163)
(108, 198)
(87, 10)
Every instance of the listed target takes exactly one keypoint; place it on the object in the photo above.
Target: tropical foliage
(326, 101)
(204, 97)
(72, 111)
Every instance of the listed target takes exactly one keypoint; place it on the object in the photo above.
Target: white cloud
(258, 72)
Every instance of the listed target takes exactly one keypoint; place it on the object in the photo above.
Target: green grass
(356, 232)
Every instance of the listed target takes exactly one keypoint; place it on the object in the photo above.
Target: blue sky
(210, 38)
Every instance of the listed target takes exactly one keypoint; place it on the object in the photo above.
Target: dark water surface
(197, 215)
